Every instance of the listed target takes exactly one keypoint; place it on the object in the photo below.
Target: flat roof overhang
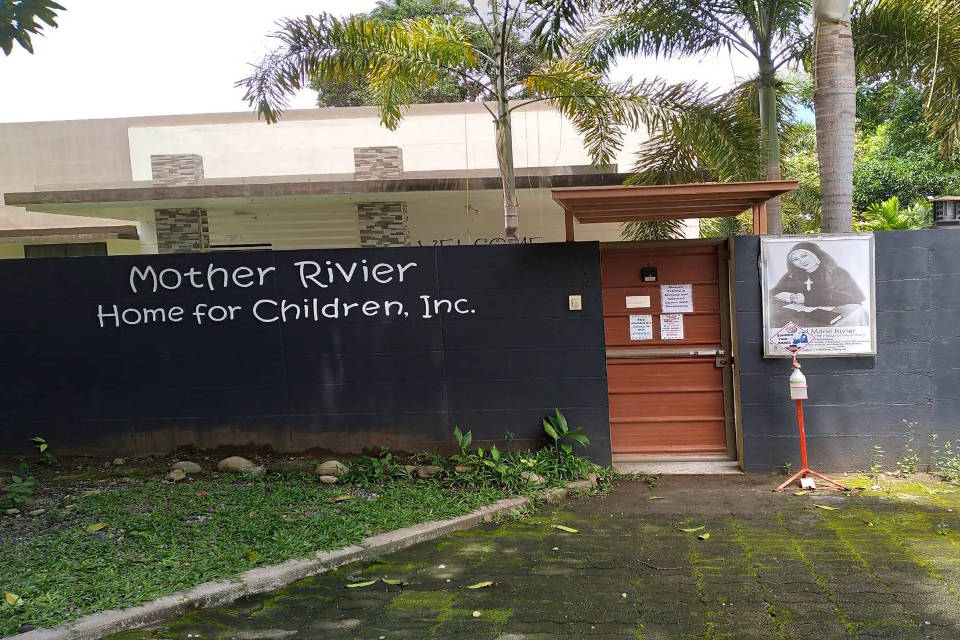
(68, 234)
(596, 204)
(64, 201)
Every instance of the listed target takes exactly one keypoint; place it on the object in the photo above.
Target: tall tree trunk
(508, 178)
(771, 137)
(835, 106)
(511, 219)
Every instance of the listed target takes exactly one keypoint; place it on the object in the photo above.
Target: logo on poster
(792, 338)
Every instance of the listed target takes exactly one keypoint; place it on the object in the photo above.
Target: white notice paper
(641, 327)
(676, 298)
(671, 326)
(638, 302)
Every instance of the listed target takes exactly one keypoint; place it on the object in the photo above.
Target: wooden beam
(568, 222)
(760, 219)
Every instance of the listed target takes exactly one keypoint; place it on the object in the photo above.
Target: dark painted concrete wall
(340, 385)
(856, 403)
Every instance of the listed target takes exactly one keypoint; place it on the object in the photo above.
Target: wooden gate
(668, 357)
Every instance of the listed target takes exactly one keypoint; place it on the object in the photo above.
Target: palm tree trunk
(511, 219)
(835, 106)
(771, 137)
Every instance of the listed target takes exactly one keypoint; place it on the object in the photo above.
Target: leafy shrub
(947, 463)
(374, 469)
(18, 491)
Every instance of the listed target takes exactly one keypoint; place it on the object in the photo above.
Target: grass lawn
(145, 538)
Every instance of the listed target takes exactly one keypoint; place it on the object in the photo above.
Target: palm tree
(915, 41)
(835, 109)
(395, 60)
(770, 31)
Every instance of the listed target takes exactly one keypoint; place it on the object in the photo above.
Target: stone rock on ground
(12, 512)
(462, 468)
(331, 468)
(254, 471)
(291, 466)
(186, 466)
(234, 464)
(119, 462)
(37, 512)
(176, 475)
(428, 471)
(329, 479)
(532, 477)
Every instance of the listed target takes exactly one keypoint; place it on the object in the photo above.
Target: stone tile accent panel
(383, 224)
(377, 163)
(182, 230)
(176, 169)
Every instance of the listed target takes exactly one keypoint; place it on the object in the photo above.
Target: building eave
(142, 195)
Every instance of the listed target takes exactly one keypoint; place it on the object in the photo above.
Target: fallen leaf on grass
(357, 585)
(394, 582)
(694, 529)
(801, 493)
(12, 599)
(825, 507)
(704, 536)
(655, 498)
(481, 585)
(343, 497)
(96, 526)
(565, 528)
(253, 556)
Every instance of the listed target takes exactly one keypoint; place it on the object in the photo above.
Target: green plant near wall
(562, 435)
(18, 491)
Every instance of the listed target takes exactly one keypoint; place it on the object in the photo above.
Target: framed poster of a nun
(823, 284)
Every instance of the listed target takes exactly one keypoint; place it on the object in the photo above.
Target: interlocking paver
(774, 567)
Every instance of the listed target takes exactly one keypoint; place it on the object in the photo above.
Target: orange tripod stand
(797, 379)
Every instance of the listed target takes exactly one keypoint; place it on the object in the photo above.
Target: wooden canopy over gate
(670, 202)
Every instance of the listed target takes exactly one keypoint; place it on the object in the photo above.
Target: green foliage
(876, 459)
(914, 43)
(889, 216)
(559, 432)
(18, 491)
(374, 469)
(907, 465)
(354, 92)
(44, 448)
(946, 464)
(21, 19)
(943, 528)
(653, 230)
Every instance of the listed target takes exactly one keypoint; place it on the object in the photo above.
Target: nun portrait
(817, 292)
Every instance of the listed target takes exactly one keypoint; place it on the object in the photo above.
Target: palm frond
(915, 40)
(653, 230)
(660, 28)
(395, 59)
(557, 23)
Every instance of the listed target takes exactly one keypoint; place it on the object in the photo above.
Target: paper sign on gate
(671, 326)
(676, 298)
(641, 327)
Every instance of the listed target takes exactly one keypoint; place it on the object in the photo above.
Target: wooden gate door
(668, 350)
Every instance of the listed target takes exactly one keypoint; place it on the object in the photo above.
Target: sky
(121, 58)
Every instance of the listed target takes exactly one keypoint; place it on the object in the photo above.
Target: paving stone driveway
(774, 566)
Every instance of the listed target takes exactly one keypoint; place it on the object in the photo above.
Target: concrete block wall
(856, 403)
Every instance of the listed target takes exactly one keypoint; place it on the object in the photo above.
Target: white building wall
(431, 141)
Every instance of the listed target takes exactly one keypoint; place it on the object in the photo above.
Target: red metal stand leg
(805, 469)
